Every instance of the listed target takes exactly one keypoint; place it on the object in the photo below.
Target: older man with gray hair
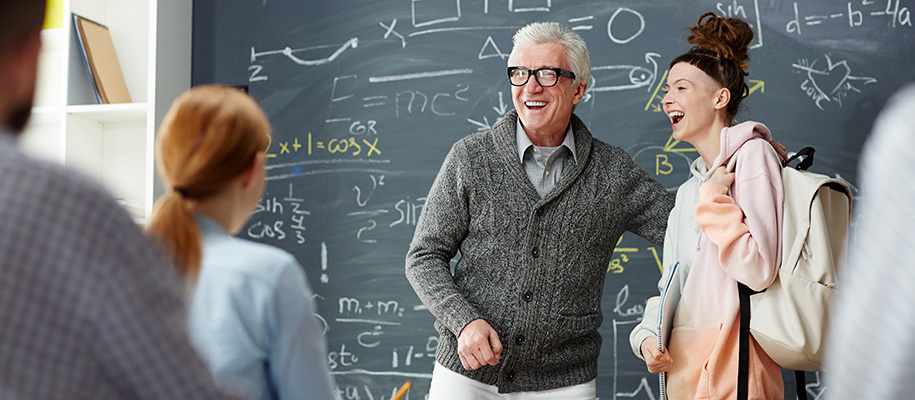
(535, 206)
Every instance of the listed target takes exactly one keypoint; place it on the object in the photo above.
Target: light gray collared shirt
(544, 165)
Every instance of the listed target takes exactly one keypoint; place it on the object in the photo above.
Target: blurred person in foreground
(89, 308)
(873, 328)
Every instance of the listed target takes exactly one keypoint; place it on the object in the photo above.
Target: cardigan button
(535, 252)
(510, 376)
(528, 296)
(540, 212)
(519, 339)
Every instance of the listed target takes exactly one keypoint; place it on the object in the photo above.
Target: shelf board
(104, 113)
(46, 112)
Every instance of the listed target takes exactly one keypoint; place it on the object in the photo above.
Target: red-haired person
(251, 313)
(725, 227)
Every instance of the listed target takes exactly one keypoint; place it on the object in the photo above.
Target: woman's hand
(656, 361)
(722, 176)
(781, 150)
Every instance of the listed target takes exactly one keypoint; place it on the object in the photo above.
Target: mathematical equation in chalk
(284, 218)
(622, 256)
(363, 328)
(346, 92)
(854, 15)
(310, 145)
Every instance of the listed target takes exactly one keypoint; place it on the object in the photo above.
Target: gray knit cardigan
(533, 268)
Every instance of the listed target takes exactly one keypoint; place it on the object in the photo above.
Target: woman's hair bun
(726, 38)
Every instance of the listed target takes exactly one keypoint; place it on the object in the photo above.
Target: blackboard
(366, 97)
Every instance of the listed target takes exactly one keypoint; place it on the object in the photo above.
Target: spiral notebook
(670, 297)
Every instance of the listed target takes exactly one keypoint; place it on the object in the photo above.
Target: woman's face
(692, 102)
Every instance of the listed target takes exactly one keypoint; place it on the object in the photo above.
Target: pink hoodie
(740, 241)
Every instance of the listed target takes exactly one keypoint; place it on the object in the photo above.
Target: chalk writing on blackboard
(621, 307)
(290, 54)
(390, 29)
(621, 331)
(324, 277)
(585, 20)
(366, 98)
(815, 387)
(737, 10)
(625, 39)
(407, 357)
(407, 101)
(490, 50)
(829, 81)
(523, 6)
(635, 76)
(428, 13)
(854, 15)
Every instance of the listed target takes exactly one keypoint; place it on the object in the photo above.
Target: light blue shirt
(252, 319)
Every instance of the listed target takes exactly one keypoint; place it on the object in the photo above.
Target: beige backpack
(790, 318)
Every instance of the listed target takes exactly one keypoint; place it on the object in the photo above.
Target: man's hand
(478, 345)
(655, 360)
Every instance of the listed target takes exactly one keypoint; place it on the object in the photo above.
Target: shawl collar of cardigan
(503, 136)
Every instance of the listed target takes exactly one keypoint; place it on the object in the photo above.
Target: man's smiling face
(544, 111)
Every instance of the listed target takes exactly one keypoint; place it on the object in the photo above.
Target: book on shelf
(101, 61)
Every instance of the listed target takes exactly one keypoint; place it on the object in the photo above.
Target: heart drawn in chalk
(830, 80)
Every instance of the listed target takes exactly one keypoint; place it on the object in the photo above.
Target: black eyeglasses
(546, 76)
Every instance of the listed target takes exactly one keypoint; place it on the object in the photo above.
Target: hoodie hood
(699, 170)
(735, 136)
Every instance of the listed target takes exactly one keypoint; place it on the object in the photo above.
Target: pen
(403, 390)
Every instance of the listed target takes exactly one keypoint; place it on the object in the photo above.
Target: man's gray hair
(577, 54)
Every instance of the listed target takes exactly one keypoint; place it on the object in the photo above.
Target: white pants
(450, 385)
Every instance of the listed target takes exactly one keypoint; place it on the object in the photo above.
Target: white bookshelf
(114, 143)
